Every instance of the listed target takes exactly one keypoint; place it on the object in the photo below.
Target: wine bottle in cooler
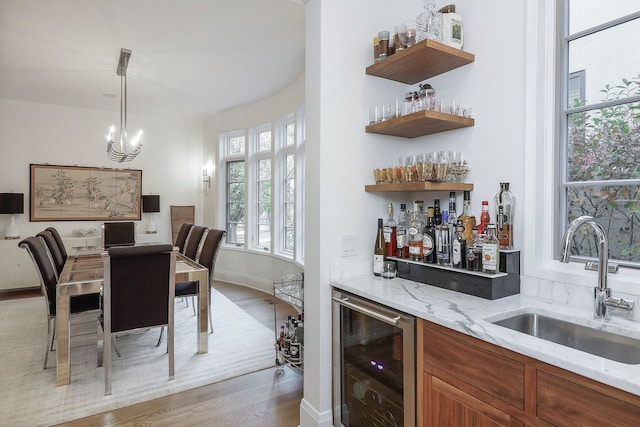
(379, 250)
(402, 237)
(390, 232)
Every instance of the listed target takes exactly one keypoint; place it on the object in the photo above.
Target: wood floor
(266, 398)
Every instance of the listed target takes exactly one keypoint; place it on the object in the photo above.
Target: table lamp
(151, 204)
(12, 203)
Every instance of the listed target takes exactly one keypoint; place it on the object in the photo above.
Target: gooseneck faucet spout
(603, 300)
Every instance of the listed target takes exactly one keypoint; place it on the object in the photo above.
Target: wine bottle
(390, 230)
(379, 250)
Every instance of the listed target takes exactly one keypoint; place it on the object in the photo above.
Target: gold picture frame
(76, 193)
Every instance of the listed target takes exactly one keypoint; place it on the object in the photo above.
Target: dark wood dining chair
(181, 238)
(139, 291)
(118, 234)
(54, 250)
(58, 238)
(208, 255)
(193, 241)
(48, 279)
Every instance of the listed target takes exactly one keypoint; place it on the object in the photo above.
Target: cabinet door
(561, 401)
(445, 405)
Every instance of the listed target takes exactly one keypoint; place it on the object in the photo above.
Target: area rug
(29, 397)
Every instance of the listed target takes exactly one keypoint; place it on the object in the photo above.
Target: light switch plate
(348, 245)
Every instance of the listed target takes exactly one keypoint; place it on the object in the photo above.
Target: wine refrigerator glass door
(373, 363)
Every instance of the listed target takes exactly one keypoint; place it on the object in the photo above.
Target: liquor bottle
(484, 218)
(416, 228)
(443, 241)
(429, 238)
(505, 203)
(436, 211)
(402, 238)
(453, 217)
(474, 252)
(459, 247)
(468, 220)
(390, 230)
(379, 250)
(490, 251)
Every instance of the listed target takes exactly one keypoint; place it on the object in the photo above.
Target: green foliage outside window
(604, 145)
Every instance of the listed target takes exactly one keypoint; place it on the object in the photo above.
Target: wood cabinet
(468, 382)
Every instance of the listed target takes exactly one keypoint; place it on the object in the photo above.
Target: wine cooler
(374, 368)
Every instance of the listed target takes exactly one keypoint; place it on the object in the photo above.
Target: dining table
(83, 273)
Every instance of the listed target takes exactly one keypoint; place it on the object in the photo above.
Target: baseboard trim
(310, 417)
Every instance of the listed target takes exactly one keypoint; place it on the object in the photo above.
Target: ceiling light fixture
(123, 150)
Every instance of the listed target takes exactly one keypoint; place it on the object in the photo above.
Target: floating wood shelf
(419, 186)
(420, 62)
(420, 123)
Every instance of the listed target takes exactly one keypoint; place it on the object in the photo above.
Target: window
(600, 124)
(263, 201)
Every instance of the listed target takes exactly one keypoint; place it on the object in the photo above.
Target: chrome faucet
(603, 300)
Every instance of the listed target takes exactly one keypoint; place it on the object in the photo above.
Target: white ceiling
(190, 58)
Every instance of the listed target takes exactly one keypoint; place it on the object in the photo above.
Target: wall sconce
(206, 179)
(151, 204)
(12, 203)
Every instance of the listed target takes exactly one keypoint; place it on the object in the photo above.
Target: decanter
(429, 23)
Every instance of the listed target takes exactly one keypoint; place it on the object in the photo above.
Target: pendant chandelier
(123, 149)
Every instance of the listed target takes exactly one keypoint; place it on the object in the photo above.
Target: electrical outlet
(348, 245)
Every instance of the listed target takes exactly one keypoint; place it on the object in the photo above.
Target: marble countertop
(473, 316)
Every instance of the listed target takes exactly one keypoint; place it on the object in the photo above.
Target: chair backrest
(193, 241)
(59, 241)
(118, 234)
(181, 239)
(139, 286)
(46, 271)
(54, 250)
(210, 247)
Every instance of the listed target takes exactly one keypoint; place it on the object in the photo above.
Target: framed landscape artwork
(73, 193)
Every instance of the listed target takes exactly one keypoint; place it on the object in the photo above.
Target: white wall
(341, 156)
(251, 268)
(171, 158)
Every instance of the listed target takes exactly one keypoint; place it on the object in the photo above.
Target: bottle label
(456, 256)
(427, 244)
(490, 257)
(387, 231)
(415, 249)
(401, 238)
(378, 263)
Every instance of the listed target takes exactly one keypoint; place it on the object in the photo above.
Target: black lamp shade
(11, 203)
(151, 203)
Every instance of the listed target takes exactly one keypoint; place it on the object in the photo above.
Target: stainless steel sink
(590, 340)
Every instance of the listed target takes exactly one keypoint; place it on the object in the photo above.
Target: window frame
(252, 156)
(540, 265)
(564, 77)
